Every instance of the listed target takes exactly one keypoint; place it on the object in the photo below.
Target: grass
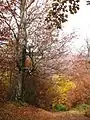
(80, 109)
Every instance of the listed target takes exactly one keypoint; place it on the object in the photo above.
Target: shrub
(2, 92)
(5, 84)
(5, 77)
(81, 94)
(60, 107)
(62, 85)
(82, 107)
(54, 91)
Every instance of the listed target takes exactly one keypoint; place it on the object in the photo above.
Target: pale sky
(80, 23)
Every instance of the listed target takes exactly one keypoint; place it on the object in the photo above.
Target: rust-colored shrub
(3, 92)
(81, 77)
(81, 94)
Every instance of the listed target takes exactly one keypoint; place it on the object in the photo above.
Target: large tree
(14, 15)
(19, 20)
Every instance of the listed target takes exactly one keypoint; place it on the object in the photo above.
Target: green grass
(60, 107)
(80, 109)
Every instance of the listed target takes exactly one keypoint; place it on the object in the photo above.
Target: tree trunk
(21, 51)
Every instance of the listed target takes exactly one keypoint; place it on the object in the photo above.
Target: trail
(12, 112)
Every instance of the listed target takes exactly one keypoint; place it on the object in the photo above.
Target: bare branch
(5, 19)
(31, 1)
(12, 13)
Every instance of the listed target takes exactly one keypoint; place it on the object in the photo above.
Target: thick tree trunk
(21, 51)
(21, 45)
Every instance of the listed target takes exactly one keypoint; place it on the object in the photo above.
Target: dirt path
(12, 112)
(69, 116)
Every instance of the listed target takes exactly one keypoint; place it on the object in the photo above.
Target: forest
(42, 75)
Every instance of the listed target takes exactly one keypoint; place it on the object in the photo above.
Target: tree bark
(21, 51)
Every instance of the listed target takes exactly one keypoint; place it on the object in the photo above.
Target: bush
(82, 107)
(81, 94)
(54, 91)
(60, 107)
(62, 85)
(6, 82)
(3, 93)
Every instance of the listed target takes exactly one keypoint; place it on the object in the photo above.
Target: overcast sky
(80, 23)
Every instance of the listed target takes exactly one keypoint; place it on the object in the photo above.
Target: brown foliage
(81, 77)
(3, 92)
(7, 67)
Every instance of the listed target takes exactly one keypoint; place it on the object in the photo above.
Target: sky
(80, 23)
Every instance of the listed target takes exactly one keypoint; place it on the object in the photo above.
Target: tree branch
(12, 13)
(31, 1)
(5, 19)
